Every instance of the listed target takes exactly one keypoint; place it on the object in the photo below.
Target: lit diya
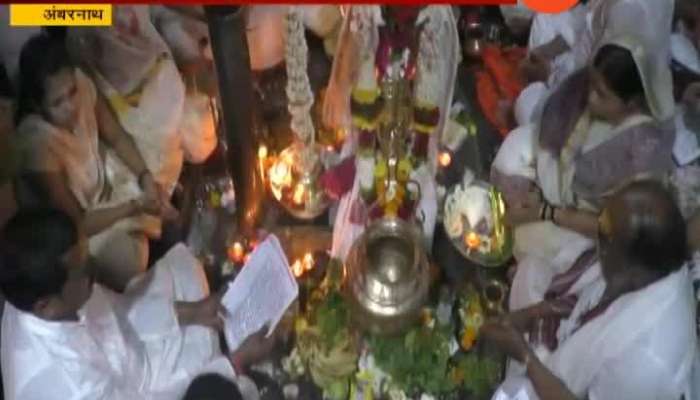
(294, 181)
(474, 220)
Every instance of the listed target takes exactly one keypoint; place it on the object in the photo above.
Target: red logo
(550, 6)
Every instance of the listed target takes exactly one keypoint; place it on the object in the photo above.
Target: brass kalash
(387, 268)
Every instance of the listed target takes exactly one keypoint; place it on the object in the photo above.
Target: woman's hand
(155, 200)
(525, 211)
(505, 336)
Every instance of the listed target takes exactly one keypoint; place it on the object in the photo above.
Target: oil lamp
(294, 181)
(445, 159)
(472, 241)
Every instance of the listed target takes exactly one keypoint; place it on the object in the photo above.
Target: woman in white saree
(133, 70)
(64, 125)
(603, 127)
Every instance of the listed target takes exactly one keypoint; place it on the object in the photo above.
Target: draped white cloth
(123, 346)
(645, 348)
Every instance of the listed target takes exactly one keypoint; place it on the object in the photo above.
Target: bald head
(647, 226)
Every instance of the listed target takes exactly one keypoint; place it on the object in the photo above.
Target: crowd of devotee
(598, 161)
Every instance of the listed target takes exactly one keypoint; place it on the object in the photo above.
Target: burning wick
(472, 240)
(236, 253)
(262, 152)
(445, 159)
(303, 265)
(280, 174)
(298, 196)
(262, 156)
(308, 262)
(298, 268)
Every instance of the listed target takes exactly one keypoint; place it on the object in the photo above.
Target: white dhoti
(124, 346)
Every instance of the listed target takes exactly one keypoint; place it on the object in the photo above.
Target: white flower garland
(299, 95)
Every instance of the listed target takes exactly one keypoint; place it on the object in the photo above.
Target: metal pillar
(230, 47)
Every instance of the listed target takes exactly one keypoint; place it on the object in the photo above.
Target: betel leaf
(332, 318)
(417, 362)
(478, 375)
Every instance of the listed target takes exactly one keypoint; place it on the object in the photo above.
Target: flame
(262, 152)
(297, 268)
(445, 159)
(236, 253)
(472, 240)
(298, 196)
(280, 174)
(308, 262)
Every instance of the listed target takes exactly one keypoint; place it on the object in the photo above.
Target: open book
(260, 294)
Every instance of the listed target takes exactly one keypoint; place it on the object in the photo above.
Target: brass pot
(387, 277)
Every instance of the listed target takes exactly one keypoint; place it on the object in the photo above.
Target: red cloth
(338, 180)
(499, 84)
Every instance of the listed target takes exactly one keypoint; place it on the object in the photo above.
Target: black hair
(212, 387)
(655, 236)
(620, 72)
(42, 56)
(33, 244)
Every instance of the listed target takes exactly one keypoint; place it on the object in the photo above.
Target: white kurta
(122, 347)
(645, 348)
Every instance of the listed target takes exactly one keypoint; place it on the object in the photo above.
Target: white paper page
(260, 294)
